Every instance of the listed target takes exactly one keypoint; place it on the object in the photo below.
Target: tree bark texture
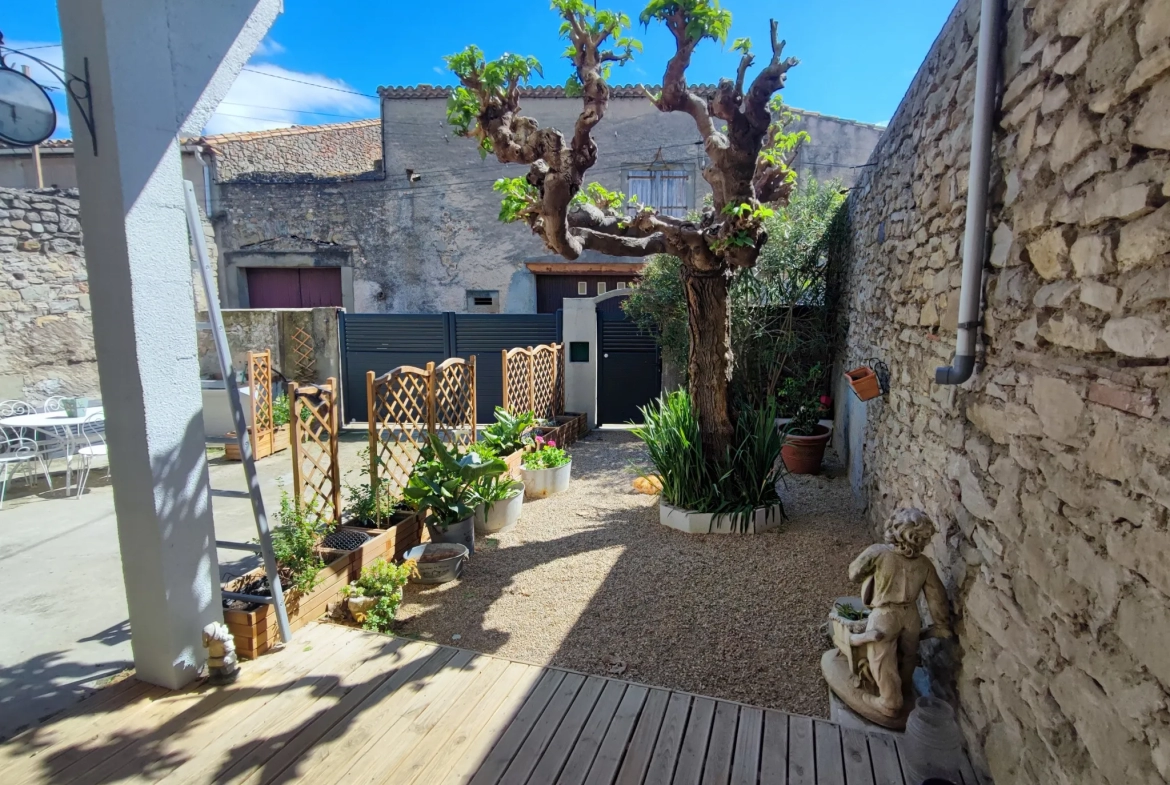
(710, 359)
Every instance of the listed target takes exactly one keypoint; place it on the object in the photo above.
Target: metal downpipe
(979, 178)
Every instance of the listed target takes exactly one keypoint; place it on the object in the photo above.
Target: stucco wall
(420, 246)
(1049, 471)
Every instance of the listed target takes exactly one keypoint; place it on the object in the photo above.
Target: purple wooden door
(294, 287)
(321, 287)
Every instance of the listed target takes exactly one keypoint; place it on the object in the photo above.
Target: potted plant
(444, 483)
(501, 499)
(805, 439)
(508, 436)
(373, 511)
(545, 470)
(373, 599)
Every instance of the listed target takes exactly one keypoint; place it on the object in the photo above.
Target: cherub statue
(871, 669)
(223, 665)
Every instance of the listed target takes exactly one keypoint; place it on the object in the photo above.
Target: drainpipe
(206, 182)
(975, 234)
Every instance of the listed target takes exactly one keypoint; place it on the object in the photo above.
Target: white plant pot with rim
(499, 516)
(692, 522)
(539, 483)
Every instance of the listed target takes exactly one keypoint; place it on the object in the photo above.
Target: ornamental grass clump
(383, 580)
(545, 455)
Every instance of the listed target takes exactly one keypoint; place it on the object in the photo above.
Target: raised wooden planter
(570, 427)
(513, 461)
(266, 444)
(255, 631)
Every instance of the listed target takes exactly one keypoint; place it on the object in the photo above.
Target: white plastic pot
(539, 483)
(691, 522)
(499, 516)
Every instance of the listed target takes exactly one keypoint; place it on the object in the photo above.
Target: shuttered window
(663, 189)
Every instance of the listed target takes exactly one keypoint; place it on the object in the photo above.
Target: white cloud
(440, 70)
(269, 47)
(51, 53)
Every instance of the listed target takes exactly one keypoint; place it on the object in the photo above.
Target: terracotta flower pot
(803, 454)
(864, 382)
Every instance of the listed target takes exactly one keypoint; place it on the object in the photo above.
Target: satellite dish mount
(27, 114)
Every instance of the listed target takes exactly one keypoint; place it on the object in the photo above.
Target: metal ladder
(229, 376)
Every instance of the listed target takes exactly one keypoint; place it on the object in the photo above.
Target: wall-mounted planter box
(864, 382)
(255, 631)
(691, 522)
(266, 445)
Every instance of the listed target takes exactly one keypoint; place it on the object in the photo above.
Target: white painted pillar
(157, 69)
(579, 325)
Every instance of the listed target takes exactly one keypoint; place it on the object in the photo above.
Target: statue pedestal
(839, 676)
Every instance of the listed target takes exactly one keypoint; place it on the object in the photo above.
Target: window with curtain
(663, 189)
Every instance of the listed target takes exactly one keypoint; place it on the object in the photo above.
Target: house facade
(415, 229)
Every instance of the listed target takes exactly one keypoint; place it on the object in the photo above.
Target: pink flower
(552, 443)
(539, 441)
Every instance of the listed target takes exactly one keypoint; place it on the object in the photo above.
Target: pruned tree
(749, 157)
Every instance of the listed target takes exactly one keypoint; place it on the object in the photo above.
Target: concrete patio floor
(64, 617)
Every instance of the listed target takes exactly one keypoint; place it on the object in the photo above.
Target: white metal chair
(93, 431)
(17, 450)
(53, 403)
(13, 407)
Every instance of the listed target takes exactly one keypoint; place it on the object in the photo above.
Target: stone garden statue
(223, 666)
(877, 646)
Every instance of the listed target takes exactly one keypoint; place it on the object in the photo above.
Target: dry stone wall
(1049, 471)
(321, 150)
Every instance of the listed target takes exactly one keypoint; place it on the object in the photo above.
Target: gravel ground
(589, 580)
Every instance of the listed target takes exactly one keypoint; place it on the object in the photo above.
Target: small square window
(582, 287)
(601, 287)
(621, 284)
(483, 301)
(578, 351)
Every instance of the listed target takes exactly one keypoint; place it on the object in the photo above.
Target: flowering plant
(545, 455)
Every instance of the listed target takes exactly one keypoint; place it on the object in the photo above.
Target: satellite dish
(27, 116)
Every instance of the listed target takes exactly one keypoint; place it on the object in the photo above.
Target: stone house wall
(324, 150)
(422, 245)
(1049, 471)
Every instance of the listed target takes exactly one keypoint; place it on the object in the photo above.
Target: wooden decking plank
(689, 769)
(617, 737)
(552, 760)
(858, 768)
(315, 739)
(749, 737)
(242, 728)
(802, 767)
(344, 739)
(433, 735)
(301, 728)
(138, 739)
(830, 763)
(641, 747)
(886, 769)
(721, 747)
(474, 738)
(386, 739)
(584, 752)
(503, 752)
(543, 730)
(669, 743)
(774, 755)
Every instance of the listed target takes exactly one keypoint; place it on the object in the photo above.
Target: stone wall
(320, 150)
(1049, 471)
(46, 334)
(276, 329)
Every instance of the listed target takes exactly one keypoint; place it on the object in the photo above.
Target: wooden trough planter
(569, 428)
(255, 631)
(266, 444)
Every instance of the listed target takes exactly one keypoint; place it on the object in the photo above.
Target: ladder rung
(237, 546)
(232, 595)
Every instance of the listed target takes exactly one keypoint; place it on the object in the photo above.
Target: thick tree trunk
(709, 361)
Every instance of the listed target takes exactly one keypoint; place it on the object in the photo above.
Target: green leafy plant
(850, 613)
(507, 434)
(496, 488)
(545, 455)
(806, 419)
(444, 481)
(363, 504)
(294, 542)
(282, 411)
(384, 580)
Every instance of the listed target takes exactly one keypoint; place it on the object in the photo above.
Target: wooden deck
(341, 705)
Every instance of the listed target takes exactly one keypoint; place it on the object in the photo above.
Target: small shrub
(806, 419)
(384, 580)
(546, 455)
(294, 543)
(362, 504)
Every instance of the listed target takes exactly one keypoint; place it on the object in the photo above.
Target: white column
(579, 325)
(157, 68)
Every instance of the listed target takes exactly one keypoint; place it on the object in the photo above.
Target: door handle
(606, 355)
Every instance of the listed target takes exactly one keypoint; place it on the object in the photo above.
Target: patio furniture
(93, 432)
(56, 430)
(53, 404)
(17, 450)
(13, 407)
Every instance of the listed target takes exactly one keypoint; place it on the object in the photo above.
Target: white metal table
(59, 426)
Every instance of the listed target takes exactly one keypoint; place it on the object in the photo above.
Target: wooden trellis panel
(533, 380)
(453, 400)
(260, 383)
(316, 468)
(304, 356)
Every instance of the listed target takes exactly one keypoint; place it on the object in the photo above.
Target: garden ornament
(872, 666)
(222, 664)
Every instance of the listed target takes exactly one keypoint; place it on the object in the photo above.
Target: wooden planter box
(570, 427)
(513, 460)
(255, 631)
(266, 445)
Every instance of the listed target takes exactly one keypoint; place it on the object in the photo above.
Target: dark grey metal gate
(629, 368)
(379, 342)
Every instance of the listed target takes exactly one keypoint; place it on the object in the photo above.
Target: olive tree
(749, 158)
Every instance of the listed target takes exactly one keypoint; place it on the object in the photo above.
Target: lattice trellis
(533, 380)
(453, 400)
(316, 469)
(400, 418)
(260, 384)
(304, 356)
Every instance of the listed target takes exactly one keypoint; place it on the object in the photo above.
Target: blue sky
(857, 56)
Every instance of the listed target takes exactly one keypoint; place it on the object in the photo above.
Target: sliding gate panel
(485, 335)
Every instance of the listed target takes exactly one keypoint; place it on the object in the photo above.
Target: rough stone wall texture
(276, 329)
(419, 247)
(1049, 471)
(322, 150)
(46, 333)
